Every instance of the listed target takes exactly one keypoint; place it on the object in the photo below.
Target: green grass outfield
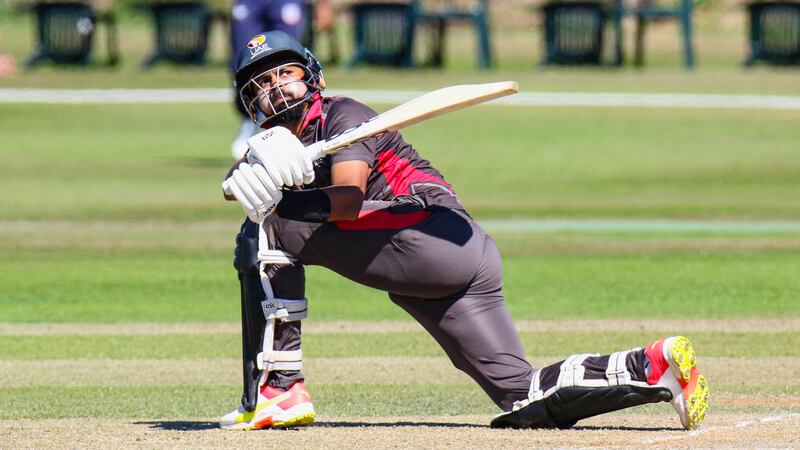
(112, 214)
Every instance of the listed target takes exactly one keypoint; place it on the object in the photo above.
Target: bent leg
(581, 386)
(444, 271)
(476, 331)
(586, 385)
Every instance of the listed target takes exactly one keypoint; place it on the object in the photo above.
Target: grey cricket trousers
(436, 264)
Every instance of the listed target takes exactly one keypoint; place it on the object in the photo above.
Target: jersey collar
(314, 112)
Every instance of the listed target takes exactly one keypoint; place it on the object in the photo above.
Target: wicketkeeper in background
(380, 215)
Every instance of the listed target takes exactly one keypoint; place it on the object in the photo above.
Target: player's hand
(282, 156)
(257, 201)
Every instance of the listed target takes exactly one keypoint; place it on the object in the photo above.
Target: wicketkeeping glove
(282, 156)
(256, 199)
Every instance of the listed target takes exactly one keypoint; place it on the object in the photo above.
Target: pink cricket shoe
(673, 365)
(275, 408)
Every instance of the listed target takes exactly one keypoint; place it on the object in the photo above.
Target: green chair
(181, 31)
(647, 11)
(774, 33)
(573, 32)
(383, 34)
(448, 12)
(65, 33)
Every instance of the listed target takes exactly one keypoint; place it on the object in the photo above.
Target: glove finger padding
(255, 182)
(285, 167)
(272, 167)
(247, 207)
(297, 171)
(245, 186)
(307, 166)
(266, 180)
(282, 155)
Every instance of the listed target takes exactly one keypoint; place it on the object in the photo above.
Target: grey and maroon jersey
(396, 168)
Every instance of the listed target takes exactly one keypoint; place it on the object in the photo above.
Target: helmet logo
(257, 45)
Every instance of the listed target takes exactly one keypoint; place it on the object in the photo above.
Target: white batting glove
(257, 201)
(282, 156)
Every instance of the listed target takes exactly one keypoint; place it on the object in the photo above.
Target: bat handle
(315, 151)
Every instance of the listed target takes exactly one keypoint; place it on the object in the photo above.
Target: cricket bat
(424, 107)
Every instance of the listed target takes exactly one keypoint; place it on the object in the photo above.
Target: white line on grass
(512, 225)
(641, 226)
(218, 95)
(739, 425)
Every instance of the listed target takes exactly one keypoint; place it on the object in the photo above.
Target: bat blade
(424, 107)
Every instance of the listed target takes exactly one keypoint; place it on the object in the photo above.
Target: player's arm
(340, 201)
(346, 192)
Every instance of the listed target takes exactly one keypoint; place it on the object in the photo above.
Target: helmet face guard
(265, 57)
(264, 100)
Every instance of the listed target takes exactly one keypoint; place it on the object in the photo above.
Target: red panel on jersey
(382, 219)
(400, 174)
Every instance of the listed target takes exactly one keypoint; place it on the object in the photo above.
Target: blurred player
(6, 65)
(249, 17)
(380, 215)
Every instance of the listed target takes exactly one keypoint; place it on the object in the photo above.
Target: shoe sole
(299, 421)
(694, 386)
(301, 415)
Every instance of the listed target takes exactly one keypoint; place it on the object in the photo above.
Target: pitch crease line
(741, 424)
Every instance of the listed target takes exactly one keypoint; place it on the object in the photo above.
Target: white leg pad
(282, 309)
(571, 374)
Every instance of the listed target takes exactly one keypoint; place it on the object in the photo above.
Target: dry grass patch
(618, 430)
(667, 326)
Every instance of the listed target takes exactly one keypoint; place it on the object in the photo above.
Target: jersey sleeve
(346, 113)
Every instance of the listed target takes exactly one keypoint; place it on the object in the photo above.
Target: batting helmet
(267, 51)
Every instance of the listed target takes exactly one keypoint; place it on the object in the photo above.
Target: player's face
(279, 88)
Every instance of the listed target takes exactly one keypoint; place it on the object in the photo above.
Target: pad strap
(283, 309)
(276, 257)
(571, 374)
(617, 371)
(574, 397)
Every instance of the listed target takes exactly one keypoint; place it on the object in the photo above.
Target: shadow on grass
(202, 425)
(472, 425)
(180, 425)
(341, 424)
(624, 428)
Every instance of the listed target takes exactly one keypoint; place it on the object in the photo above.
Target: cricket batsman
(381, 215)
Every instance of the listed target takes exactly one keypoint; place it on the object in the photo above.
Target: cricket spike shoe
(673, 365)
(275, 408)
